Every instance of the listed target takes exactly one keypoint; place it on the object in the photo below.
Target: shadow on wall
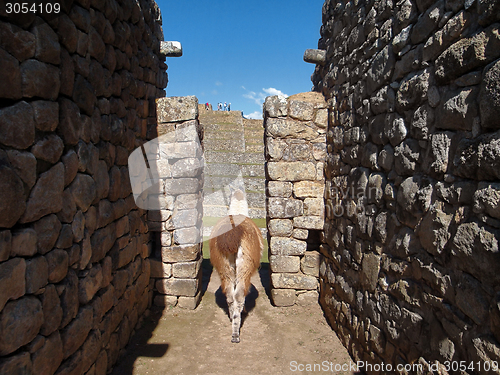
(145, 352)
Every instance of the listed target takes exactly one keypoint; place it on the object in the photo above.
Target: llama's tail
(227, 234)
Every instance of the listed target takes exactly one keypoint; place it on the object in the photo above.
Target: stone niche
(295, 149)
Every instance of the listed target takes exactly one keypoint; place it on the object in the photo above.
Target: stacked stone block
(76, 92)
(176, 267)
(295, 148)
(411, 260)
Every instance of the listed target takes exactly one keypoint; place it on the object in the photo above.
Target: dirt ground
(184, 342)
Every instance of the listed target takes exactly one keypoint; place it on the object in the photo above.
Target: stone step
(226, 169)
(254, 148)
(249, 133)
(220, 198)
(226, 134)
(251, 184)
(221, 211)
(235, 145)
(233, 157)
(210, 128)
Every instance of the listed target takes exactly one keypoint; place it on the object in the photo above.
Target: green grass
(210, 221)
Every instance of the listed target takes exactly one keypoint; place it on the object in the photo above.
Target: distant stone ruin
(380, 188)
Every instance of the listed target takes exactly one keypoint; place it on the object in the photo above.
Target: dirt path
(178, 342)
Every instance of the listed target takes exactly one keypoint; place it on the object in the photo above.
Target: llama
(235, 249)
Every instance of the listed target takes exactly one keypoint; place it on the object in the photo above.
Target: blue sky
(240, 51)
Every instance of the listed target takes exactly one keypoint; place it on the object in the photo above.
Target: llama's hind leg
(238, 304)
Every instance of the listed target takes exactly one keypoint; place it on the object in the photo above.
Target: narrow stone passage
(177, 341)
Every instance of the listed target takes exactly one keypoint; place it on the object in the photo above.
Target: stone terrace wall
(412, 267)
(295, 135)
(77, 97)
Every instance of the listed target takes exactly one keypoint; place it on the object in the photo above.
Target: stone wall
(176, 206)
(77, 96)
(411, 267)
(295, 134)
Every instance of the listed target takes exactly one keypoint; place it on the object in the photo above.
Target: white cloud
(254, 115)
(218, 83)
(259, 97)
(273, 91)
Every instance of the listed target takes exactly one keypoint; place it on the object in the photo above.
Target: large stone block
(276, 106)
(380, 69)
(457, 110)
(47, 359)
(308, 189)
(37, 274)
(293, 281)
(185, 236)
(370, 270)
(90, 284)
(300, 110)
(309, 264)
(175, 109)
(468, 54)
(280, 227)
(52, 310)
(279, 189)
(178, 287)
(5, 244)
(12, 280)
(24, 242)
(489, 97)
(487, 199)
(287, 246)
(160, 270)
(189, 302)
(471, 300)
(308, 298)
(284, 207)
(180, 253)
(58, 262)
(17, 364)
(17, 125)
(479, 158)
(46, 196)
(288, 128)
(10, 76)
(291, 171)
(74, 335)
(279, 263)
(40, 80)
(183, 186)
(20, 322)
(186, 270)
(308, 222)
(12, 204)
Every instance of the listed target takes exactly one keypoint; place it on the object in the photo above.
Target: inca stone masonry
(383, 185)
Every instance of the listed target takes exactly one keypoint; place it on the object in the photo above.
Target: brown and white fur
(235, 249)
